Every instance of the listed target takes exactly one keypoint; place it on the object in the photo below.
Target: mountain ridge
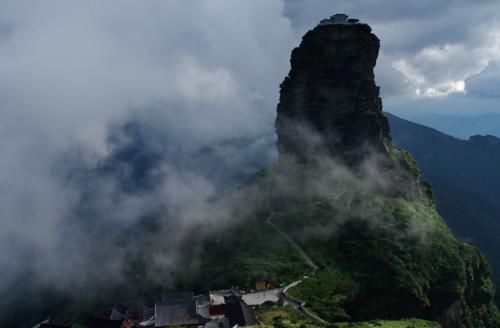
(462, 193)
(460, 127)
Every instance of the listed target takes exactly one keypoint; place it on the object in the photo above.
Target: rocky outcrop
(393, 255)
(329, 102)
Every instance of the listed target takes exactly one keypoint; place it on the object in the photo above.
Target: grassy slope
(394, 259)
(289, 317)
(390, 257)
(380, 255)
(245, 253)
(407, 323)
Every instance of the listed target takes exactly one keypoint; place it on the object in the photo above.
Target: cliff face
(391, 255)
(329, 103)
(375, 245)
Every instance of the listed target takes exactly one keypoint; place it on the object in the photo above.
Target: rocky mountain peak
(329, 102)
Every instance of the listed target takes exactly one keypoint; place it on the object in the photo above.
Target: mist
(124, 124)
(119, 115)
(113, 113)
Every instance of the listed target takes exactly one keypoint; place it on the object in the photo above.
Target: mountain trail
(295, 302)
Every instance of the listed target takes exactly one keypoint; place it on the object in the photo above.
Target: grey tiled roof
(239, 313)
(177, 313)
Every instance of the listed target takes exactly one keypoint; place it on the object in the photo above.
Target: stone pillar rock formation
(329, 103)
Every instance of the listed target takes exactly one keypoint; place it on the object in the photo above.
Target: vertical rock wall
(329, 103)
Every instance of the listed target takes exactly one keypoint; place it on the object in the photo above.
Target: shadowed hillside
(466, 181)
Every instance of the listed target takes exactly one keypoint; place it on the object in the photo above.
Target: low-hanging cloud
(114, 114)
(115, 111)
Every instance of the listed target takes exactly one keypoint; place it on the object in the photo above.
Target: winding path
(296, 246)
(295, 302)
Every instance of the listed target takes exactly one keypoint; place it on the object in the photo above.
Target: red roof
(216, 309)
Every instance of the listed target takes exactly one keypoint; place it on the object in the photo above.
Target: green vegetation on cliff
(382, 252)
(288, 317)
(407, 323)
(347, 207)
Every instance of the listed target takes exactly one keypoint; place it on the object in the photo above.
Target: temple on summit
(339, 19)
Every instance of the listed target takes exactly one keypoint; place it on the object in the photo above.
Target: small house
(179, 313)
(270, 283)
(326, 22)
(178, 309)
(339, 18)
(261, 285)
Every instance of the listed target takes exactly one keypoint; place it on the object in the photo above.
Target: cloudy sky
(437, 57)
(195, 74)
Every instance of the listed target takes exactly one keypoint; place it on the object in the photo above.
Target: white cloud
(421, 87)
(194, 74)
(430, 47)
(438, 71)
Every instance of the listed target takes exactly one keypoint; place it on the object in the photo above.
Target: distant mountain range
(465, 176)
(461, 126)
